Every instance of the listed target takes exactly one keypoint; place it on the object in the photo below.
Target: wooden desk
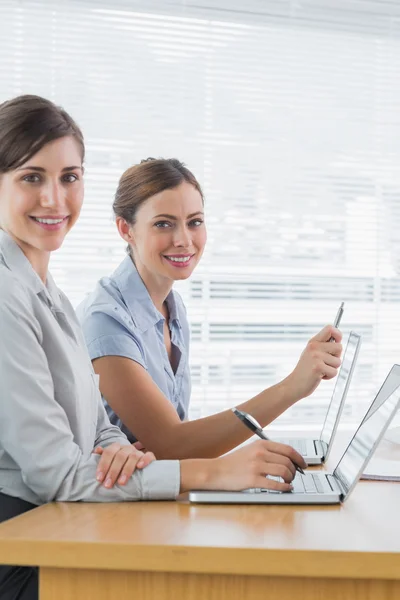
(172, 551)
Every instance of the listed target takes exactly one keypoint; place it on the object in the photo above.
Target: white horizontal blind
(288, 113)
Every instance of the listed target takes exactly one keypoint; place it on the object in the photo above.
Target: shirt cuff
(161, 480)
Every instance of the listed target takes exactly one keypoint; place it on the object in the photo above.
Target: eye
(196, 222)
(31, 178)
(70, 178)
(162, 224)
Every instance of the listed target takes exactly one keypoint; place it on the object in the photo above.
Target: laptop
(315, 452)
(322, 487)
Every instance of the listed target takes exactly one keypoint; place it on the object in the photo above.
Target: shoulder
(17, 306)
(108, 327)
(104, 313)
(12, 289)
(102, 300)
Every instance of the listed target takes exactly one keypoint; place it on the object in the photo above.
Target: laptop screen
(388, 387)
(369, 433)
(341, 386)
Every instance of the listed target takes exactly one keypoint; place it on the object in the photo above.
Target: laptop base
(251, 497)
(311, 450)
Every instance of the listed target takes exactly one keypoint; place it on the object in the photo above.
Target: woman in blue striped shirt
(137, 332)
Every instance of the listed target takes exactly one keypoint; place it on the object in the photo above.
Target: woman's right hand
(118, 463)
(244, 468)
(319, 360)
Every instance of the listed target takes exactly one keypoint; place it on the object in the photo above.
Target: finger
(128, 468)
(328, 332)
(136, 461)
(138, 445)
(271, 484)
(325, 367)
(98, 450)
(329, 373)
(288, 451)
(145, 460)
(106, 460)
(332, 361)
(118, 463)
(279, 470)
(284, 461)
(278, 459)
(336, 334)
(333, 349)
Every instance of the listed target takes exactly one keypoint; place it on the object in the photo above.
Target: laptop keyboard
(298, 444)
(310, 483)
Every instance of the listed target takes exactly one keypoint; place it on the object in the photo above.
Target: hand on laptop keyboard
(249, 467)
(310, 483)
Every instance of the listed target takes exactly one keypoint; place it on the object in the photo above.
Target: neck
(158, 287)
(41, 265)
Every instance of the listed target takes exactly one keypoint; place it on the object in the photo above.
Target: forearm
(158, 481)
(153, 420)
(196, 474)
(270, 403)
(220, 433)
(217, 434)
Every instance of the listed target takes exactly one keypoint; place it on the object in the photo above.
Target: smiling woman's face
(41, 200)
(169, 234)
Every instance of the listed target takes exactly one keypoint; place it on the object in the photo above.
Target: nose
(52, 195)
(182, 237)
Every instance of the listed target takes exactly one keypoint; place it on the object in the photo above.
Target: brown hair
(27, 123)
(148, 178)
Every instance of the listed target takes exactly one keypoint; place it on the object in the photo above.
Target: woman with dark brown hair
(56, 441)
(137, 332)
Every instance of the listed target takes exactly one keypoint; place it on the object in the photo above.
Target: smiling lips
(178, 260)
(50, 223)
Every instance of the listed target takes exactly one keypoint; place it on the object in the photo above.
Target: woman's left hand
(118, 463)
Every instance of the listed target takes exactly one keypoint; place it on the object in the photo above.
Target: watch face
(253, 421)
(247, 419)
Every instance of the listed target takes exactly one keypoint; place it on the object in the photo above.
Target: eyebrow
(42, 170)
(199, 212)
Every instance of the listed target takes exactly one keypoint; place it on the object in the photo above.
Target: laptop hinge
(336, 484)
(321, 448)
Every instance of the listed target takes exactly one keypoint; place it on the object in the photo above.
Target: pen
(338, 318)
(256, 428)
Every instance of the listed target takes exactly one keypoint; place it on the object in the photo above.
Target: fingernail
(122, 479)
(108, 483)
(140, 464)
(100, 476)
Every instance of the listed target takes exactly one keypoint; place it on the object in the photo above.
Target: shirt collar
(17, 262)
(172, 307)
(137, 298)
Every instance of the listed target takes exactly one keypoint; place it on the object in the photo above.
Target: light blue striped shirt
(119, 319)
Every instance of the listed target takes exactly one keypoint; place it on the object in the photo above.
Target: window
(288, 113)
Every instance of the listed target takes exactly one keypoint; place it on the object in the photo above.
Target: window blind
(287, 112)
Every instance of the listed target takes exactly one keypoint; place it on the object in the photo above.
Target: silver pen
(337, 320)
(256, 428)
